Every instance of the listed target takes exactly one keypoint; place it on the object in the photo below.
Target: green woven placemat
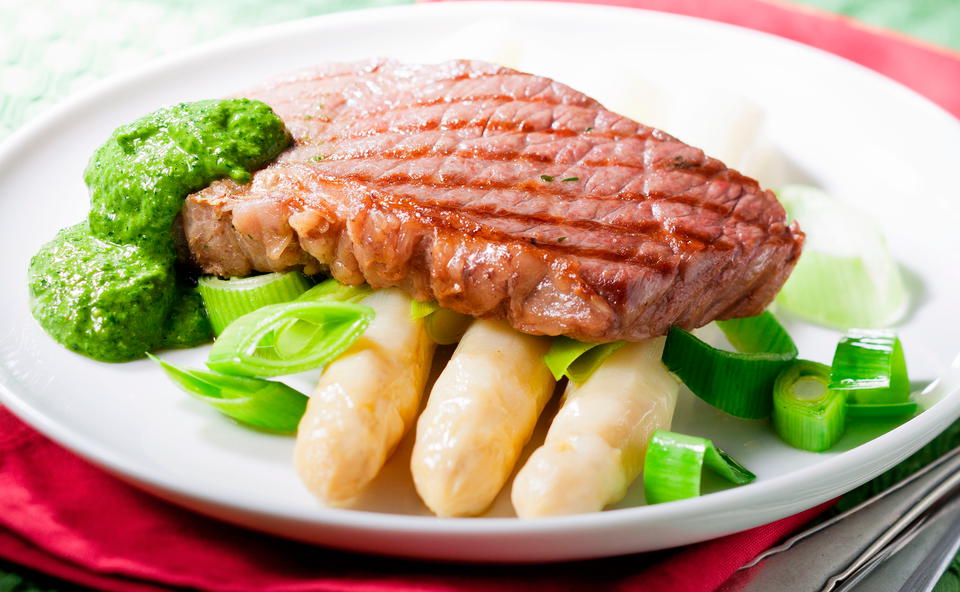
(935, 21)
(51, 48)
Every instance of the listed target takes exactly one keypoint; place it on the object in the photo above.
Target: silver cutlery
(909, 532)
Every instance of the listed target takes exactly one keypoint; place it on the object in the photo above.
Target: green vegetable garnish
(418, 309)
(332, 290)
(288, 338)
(738, 383)
(846, 276)
(262, 404)
(674, 464)
(577, 360)
(870, 366)
(443, 325)
(881, 411)
(547, 178)
(446, 326)
(807, 413)
(227, 300)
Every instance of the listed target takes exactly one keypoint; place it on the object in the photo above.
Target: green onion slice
(263, 404)
(881, 410)
(846, 276)
(446, 326)
(443, 325)
(332, 290)
(226, 300)
(870, 365)
(807, 413)
(288, 338)
(577, 360)
(419, 310)
(674, 465)
(738, 383)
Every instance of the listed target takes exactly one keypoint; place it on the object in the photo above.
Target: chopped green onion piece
(871, 366)
(758, 335)
(846, 276)
(738, 383)
(333, 290)
(288, 338)
(674, 465)
(262, 404)
(226, 300)
(418, 309)
(807, 414)
(297, 336)
(584, 366)
(577, 360)
(881, 410)
(446, 326)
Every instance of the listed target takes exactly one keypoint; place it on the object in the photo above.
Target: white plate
(877, 145)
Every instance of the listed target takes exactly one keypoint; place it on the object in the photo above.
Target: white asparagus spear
(596, 443)
(365, 401)
(480, 414)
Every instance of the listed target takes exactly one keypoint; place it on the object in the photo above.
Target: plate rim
(117, 464)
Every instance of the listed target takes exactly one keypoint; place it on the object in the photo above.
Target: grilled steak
(498, 194)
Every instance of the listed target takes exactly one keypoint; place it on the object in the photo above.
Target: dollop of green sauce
(98, 298)
(109, 288)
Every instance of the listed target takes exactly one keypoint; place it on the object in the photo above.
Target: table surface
(49, 49)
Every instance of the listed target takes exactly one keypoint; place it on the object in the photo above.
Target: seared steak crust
(498, 194)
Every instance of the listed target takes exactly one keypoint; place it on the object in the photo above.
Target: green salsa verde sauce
(109, 288)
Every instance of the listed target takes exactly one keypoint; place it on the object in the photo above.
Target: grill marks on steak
(438, 179)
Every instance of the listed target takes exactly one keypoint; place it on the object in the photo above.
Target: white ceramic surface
(875, 144)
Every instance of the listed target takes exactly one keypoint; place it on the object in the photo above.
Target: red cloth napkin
(63, 516)
(928, 69)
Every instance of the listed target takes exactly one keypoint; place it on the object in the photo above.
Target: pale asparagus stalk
(596, 443)
(364, 403)
(480, 414)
